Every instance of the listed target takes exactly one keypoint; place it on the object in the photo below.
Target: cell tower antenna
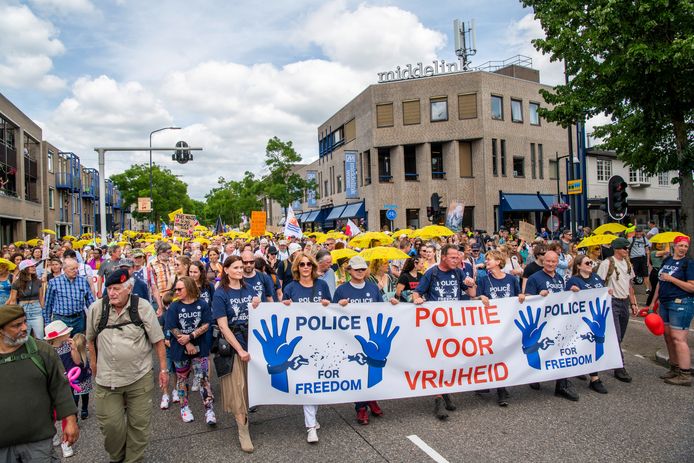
(463, 37)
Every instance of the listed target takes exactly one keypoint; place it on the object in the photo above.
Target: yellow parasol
(175, 248)
(432, 231)
(612, 227)
(48, 230)
(370, 239)
(35, 242)
(596, 240)
(19, 243)
(69, 238)
(383, 253)
(408, 232)
(665, 237)
(338, 254)
(10, 265)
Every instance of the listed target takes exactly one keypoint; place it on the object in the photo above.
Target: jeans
(678, 313)
(34, 314)
(78, 323)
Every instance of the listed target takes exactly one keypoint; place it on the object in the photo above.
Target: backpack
(132, 311)
(32, 353)
(613, 268)
(633, 240)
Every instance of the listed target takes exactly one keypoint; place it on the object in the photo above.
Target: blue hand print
(598, 325)
(277, 352)
(377, 348)
(531, 336)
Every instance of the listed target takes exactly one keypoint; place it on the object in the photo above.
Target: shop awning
(335, 213)
(353, 210)
(300, 217)
(522, 202)
(281, 222)
(311, 216)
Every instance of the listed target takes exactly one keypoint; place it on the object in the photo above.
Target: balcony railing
(67, 181)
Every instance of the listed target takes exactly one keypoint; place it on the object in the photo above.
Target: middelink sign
(418, 71)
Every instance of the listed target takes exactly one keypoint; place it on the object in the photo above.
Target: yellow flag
(172, 215)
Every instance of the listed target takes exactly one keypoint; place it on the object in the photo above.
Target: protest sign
(258, 222)
(526, 231)
(184, 224)
(309, 354)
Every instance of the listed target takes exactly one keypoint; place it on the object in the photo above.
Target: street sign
(553, 223)
(144, 205)
(391, 214)
(575, 187)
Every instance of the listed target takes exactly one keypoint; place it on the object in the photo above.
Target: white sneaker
(57, 440)
(312, 436)
(67, 450)
(175, 398)
(164, 404)
(196, 384)
(186, 415)
(317, 426)
(210, 418)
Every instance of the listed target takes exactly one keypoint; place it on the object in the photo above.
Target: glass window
(439, 109)
(437, 170)
(604, 167)
(532, 160)
(50, 162)
(384, 171)
(664, 178)
(516, 111)
(503, 158)
(518, 166)
(51, 198)
(553, 170)
(495, 155)
(412, 218)
(497, 107)
(410, 152)
(339, 183)
(534, 114)
(541, 160)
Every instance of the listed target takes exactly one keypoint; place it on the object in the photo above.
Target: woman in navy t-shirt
(197, 272)
(676, 295)
(230, 308)
(307, 288)
(188, 320)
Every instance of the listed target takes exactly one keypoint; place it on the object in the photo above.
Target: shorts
(678, 314)
(640, 265)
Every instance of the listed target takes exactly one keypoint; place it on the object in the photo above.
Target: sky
(230, 74)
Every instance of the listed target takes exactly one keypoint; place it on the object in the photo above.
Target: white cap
(294, 247)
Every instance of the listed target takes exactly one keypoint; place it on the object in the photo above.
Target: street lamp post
(151, 189)
(574, 160)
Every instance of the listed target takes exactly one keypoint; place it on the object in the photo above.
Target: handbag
(224, 358)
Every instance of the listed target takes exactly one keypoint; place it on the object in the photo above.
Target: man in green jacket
(32, 387)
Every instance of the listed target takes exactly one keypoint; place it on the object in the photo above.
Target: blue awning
(335, 213)
(281, 222)
(549, 199)
(522, 202)
(353, 210)
(311, 216)
(301, 216)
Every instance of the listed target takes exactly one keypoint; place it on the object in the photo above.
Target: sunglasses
(589, 263)
(178, 289)
(305, 264)
(359, 269)
(248, 262)
(540, 253)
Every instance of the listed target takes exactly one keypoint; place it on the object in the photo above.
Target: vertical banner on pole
(311, 194)
(351, 175)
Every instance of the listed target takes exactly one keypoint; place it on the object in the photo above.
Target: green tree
(169, 192)
(283, 184)
(633, 61)
(230, 199)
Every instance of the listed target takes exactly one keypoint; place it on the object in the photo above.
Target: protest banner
(526, 231)
(309, 354)
(184, 224)
(258, 222)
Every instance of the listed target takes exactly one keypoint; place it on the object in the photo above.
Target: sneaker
(67, 450)
(196, 384)
(671, 373)
(175, 398)
(622, 375)
(312, 436)
(502, 396)
(439, 409)
(164, 404)
(375, 409)
(57, 440)
(210, 417)
(565, 389)
(186, 414)
(598, 387)
(450, 406)
(84, 414)
(363, 416)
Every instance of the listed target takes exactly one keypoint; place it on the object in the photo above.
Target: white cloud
(29, 45)
(519, 36)
(64, 7)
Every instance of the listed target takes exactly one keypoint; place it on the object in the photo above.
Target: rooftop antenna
(465, 42)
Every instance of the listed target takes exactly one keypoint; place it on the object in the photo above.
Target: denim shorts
(678, 314)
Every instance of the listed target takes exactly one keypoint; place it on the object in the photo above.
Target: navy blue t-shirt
(262, 285)
(233, 304)
(186, 318)
(296, 292)
(670, 291)
(540, 281)
(593, 281)
(495, 288)
(468, 270)
(439, 285)
(369, 293)
(206, 293)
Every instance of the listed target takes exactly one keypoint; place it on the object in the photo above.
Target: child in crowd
(166, 301)
(79, 358)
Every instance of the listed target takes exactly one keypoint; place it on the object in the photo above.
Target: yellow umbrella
(149, 249)
(19, 243)
(613, 227)
(432, 231)
(383, 253)
(665, 237)
(35, 242)
(405, 231)
(596, 240)
(200, 228)
(364, 240)
(343, 253)
(10, 265)
(69, 238)
(48, 230)
(175, 248)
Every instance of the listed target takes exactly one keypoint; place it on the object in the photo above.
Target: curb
(662, 357)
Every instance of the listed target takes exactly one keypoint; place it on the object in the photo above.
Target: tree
(169, 192)
(282, 184)
(633, 61)
(230, 199)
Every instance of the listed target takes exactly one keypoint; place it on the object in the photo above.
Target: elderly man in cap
(122, 332)
(618, 273)
(33, 384)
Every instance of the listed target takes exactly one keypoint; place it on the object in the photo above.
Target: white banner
(309, 354)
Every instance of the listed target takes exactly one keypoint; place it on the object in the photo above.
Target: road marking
(640, 356)
(436, 456)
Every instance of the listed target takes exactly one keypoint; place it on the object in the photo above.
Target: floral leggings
(201, 368)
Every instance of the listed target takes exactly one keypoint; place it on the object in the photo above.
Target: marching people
(35, 390)
(259, 282)
(675, 291)
(307, 287)
(206, 289)
(6, 267)
(409, 278)
(68, 297)
(122, 338)
(27, 292)
(162, 275)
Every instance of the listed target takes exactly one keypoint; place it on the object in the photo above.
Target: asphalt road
(644, 421)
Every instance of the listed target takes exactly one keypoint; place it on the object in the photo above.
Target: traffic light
(182, 156)
(617, 197)
(436, 209)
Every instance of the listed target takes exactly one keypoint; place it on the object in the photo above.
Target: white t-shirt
(620, 280)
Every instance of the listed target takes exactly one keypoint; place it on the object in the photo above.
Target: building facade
(474, 138)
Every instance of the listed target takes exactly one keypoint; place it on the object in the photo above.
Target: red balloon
(655, 324)
(643, 312)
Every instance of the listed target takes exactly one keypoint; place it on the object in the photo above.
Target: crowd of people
(107, 311)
